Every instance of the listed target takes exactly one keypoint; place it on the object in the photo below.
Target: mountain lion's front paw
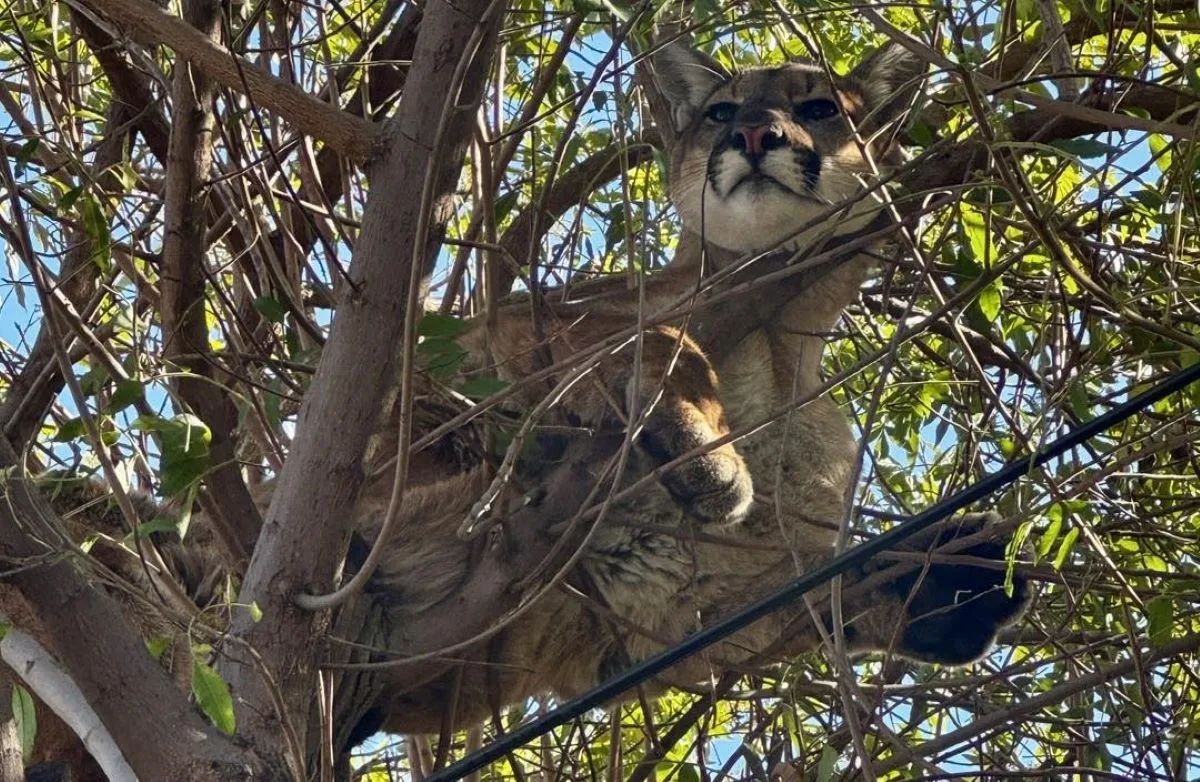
(958, 609)
(714, 487)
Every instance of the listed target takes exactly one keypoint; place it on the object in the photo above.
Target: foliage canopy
(1058, 276)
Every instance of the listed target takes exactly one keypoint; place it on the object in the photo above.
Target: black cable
(805, 583)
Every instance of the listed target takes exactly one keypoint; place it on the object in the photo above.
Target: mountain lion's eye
(815, 110)
(722, 112)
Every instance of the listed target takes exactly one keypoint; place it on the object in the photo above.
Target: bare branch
(184, 320)
(350, 135)
(572, 188)
(30, 393)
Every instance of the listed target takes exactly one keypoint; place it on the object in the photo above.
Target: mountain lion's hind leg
(952, 612)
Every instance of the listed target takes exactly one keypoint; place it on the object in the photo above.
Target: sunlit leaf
(212, 695)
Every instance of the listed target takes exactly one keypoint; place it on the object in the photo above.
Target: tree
(222, 228)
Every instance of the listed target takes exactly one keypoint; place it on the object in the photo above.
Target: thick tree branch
(184, 321)
(349, 135)
(1080, 112)
(948, 164)
(374, 98)
(130, 88)
(306, 527)
(1019, 53)
(54, 687)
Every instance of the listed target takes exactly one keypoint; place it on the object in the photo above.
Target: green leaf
(1015, 546)
(95, 226)
(256, 613)
(93, 380)
(68, 199)
(1081, 406)
(69, 430)
(826, 769)
(571, 152)
(109, 435)
(128, 392)
(1099, 18)
(1161, 147)
(25, 154)
(1064, 548)
(273, 403)
(979, 237)
(615, 232)
(4, 629)
(185, 455)
(483, 387)
(160, 524)
(1084, 147)
(990, 301)
(1151, 199)
(25, 717)
(1161, 614)
(212, 695)
(435, 324)
(443, 357)
(921, 134)
(502, 206)
(1051, 533)
(157, 646)
(270, 308)
(688, 773)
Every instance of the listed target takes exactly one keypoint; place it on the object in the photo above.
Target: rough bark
(306, 529)
(130, 87)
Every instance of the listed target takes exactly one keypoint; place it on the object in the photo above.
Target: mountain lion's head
(762, 153)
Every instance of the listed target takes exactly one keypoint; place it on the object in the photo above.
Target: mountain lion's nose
(756, 140)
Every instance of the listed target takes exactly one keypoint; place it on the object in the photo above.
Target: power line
(856, 556)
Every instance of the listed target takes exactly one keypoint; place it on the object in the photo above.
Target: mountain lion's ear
(889, 79)
(685, 77)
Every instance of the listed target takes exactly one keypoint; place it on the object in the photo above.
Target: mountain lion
(758, 160)
(756, 157)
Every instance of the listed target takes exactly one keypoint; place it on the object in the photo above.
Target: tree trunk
(306, 529)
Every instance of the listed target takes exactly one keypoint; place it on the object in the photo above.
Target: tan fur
(644, 579)
(665, 586)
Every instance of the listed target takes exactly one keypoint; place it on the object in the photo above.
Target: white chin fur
(761, 216)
